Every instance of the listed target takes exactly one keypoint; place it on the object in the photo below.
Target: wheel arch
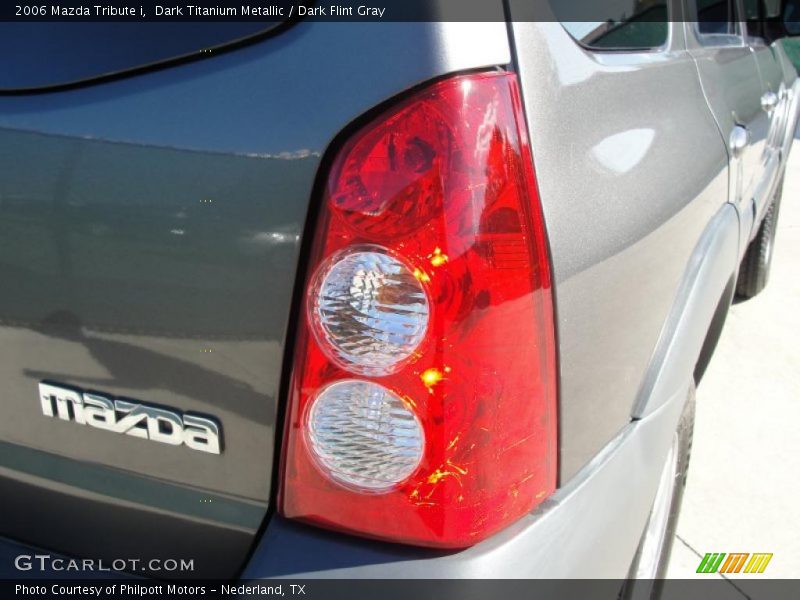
(698, 313)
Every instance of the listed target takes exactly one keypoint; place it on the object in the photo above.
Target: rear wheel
(649, 566)
(754, 270)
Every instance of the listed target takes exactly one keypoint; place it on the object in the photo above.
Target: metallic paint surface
(150, 230)
(627, 192)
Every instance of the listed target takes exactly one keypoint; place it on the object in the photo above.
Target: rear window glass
(626, 24)
(37, 55)
(717, 17)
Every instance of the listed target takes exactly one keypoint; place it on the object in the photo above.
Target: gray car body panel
(644, 237)
(754, 175)
(151, 229)
(627, 193)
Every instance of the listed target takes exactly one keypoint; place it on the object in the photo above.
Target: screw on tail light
(422, 402)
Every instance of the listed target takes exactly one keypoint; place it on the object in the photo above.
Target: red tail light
(423, 401)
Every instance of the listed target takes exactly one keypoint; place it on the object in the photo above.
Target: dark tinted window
(753, 9)
(758, 15)
(717, 17)
(791, 17)
(36, 55)
(617, 24)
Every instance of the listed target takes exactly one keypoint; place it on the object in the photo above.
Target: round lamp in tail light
(422, 404)
(364, 436)
(368, 310)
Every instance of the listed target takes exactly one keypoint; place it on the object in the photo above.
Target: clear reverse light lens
(363, 435)
(368, 311)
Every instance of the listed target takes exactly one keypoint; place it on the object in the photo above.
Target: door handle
(740, 137)
(769, 101)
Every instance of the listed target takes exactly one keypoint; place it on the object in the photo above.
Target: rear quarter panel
(631, 168)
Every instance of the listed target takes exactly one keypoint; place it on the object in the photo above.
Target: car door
(773, 104)
(728, 70)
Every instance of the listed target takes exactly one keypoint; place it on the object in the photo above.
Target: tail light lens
(423, 398)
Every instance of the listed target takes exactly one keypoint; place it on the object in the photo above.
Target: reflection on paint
(621, 152)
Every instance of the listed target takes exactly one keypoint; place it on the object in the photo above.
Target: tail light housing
(422, 401)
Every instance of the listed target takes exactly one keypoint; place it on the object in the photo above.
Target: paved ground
(743, 490)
